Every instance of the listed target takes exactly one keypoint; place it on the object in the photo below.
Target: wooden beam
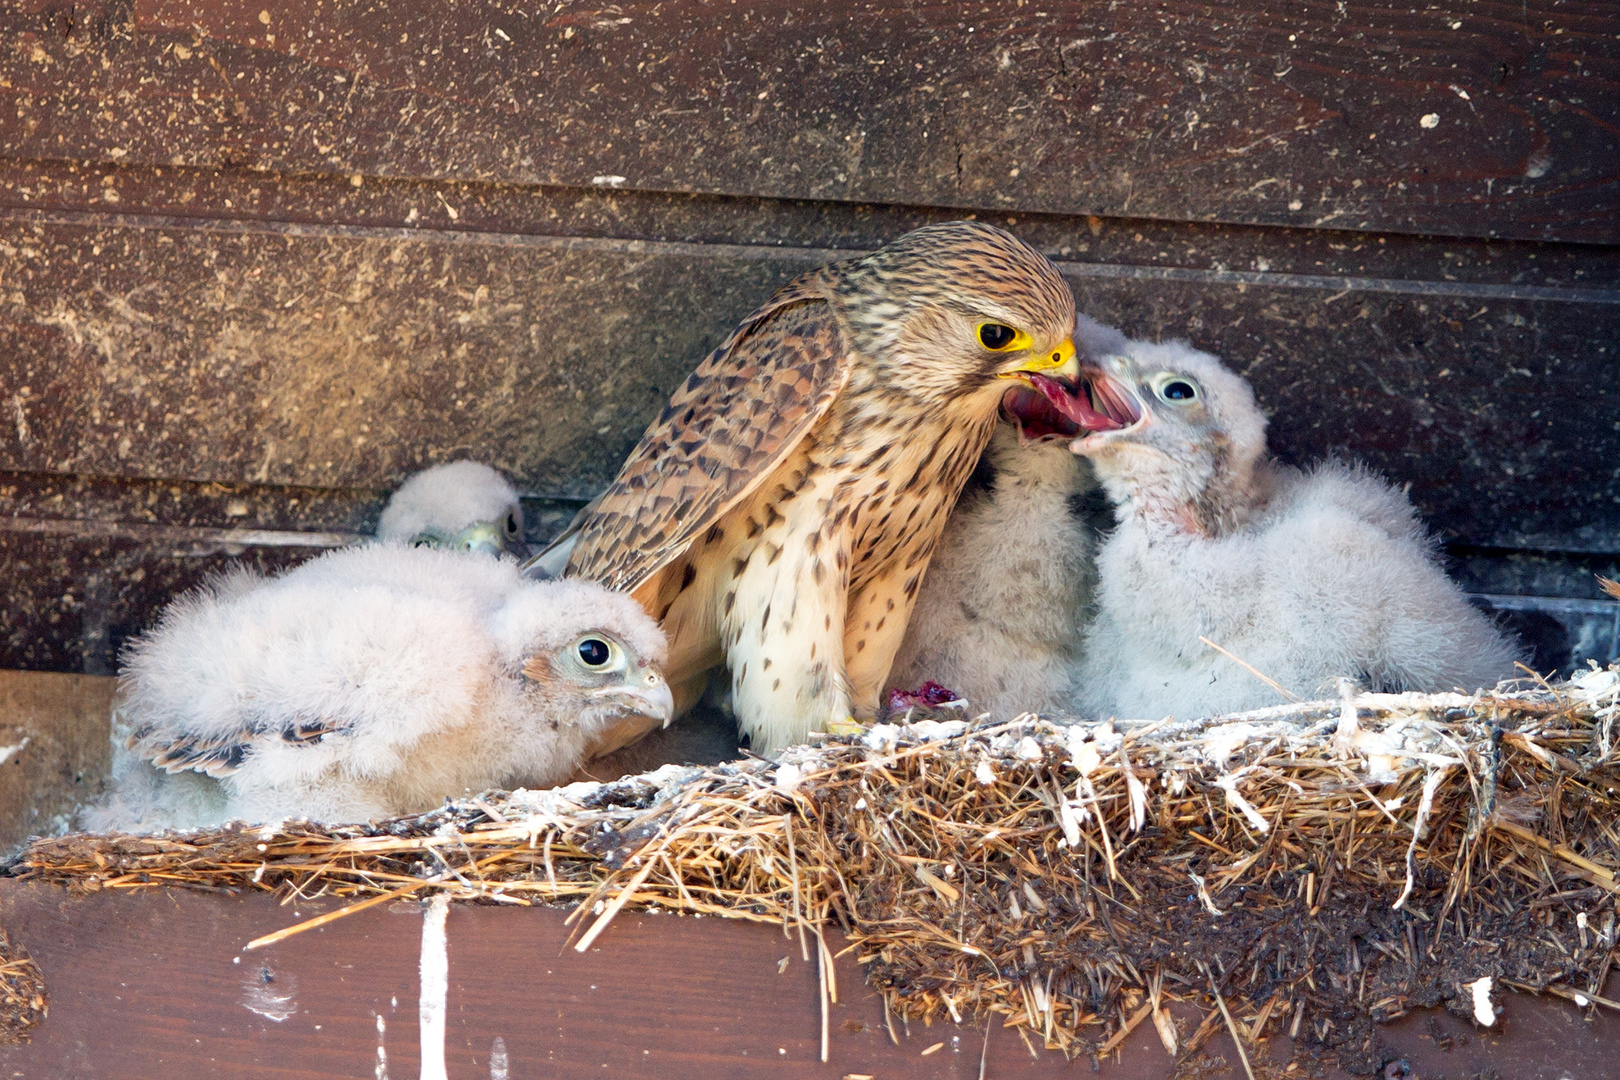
(154, 983)
(1490, 119)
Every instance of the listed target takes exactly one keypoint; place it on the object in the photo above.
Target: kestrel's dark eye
(1179, 390)
(594, 651)
(996, 336)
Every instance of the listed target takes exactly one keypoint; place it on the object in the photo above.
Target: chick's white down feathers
(374, 681)
(1305, 575)
(1002, 612)
(1000, 616)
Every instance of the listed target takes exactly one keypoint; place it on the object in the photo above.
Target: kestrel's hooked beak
(646, 695)
(1059, 363)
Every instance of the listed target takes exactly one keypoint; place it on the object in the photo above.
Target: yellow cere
(1060, 360)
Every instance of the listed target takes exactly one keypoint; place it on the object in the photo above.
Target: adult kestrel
(781, 512)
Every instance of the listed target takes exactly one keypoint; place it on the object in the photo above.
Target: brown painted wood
(332, 360)
(54, 739)
(154, 983)
(1244, 111)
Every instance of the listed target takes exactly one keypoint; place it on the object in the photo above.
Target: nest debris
(22, 992)
(1312, 869)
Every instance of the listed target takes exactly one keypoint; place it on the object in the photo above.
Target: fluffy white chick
(1001, 614)
(361, 685)
(461, 504)
(1306, 576)
(1000, 617)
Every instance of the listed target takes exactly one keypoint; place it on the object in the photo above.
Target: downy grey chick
(1306, 576)
(1002, 611)
(359, 686)
(461, 504)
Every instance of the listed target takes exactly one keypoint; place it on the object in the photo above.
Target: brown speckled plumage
(780, 514)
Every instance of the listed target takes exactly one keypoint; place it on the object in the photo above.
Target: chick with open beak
(1304, 576)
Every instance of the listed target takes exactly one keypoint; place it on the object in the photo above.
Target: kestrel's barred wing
(744, 409)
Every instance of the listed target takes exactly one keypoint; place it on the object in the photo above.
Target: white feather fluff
(443, 500)
(1000, 615)
(373, 681)
(1306, 576)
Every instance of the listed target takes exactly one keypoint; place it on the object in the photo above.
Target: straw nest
(1307, 869)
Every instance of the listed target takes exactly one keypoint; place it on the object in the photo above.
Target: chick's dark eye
(511, 524)
(594, 651)
(996, 336)
(1179, 391)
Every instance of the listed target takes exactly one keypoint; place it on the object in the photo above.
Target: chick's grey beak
(488, 538)
(646, 695)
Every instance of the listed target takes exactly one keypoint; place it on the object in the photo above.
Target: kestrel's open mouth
(1097, 404)
(1036, 417)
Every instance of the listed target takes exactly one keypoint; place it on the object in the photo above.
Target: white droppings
(435, 984)
(1083, 755)
(608, 181)
(1069, 818)
(788, 778)
(1431, 784)
(860, 804)
(498, 1062)
(1029, 749)
(1430, 120)
(381, 1071)
(1220, 743)
(7, 751)
(1484, 1013)
(269, 994)
(1138, 797)
(984, 773)
(1228, 784)
(939, 730)
(882, 737)
(1597, 684)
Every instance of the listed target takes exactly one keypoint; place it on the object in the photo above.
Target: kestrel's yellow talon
(847, 726)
